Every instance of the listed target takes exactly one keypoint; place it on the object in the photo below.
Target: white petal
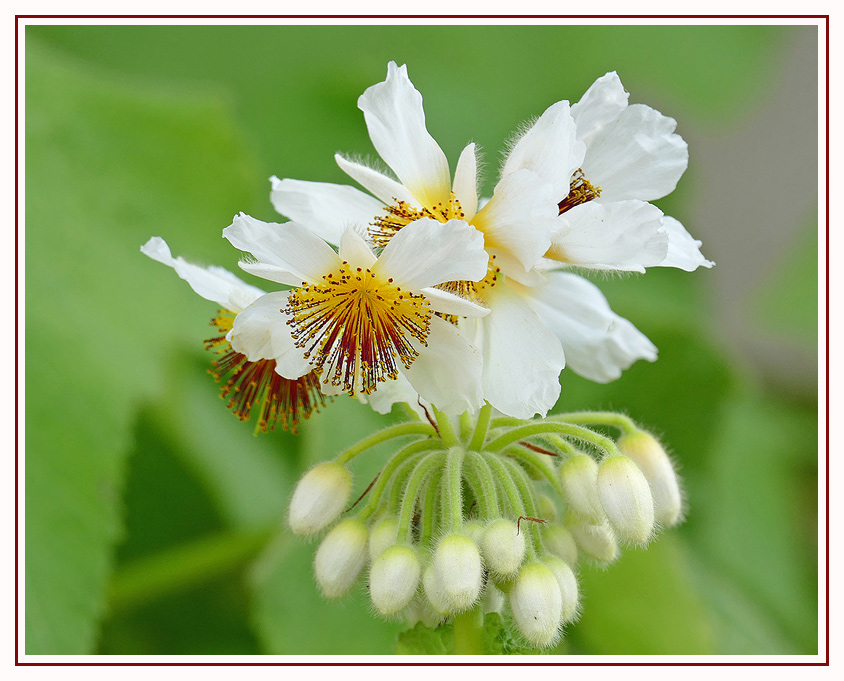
(385, 188)
(601, 104)
(683, 249)
(623, 235)
(354, 249)
(389, 393)
(447, 371)
(288, 253)
(323, 207)
(448, 303)
(396, 122)
(466, 181)
(212, 283)
(522, 358)
(549, 148)
(428, 252)
(261, 331)
(637, 156)
(520, 218)
(598, 343)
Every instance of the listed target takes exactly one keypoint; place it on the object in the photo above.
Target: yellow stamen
(402, 214)
(474, 291)
(356, 327)
(580, 191)
(256, 386)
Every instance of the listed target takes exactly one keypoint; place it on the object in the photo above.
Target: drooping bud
(560, 542)
(596, 541)
(340, 557)
(493, 598)
(394, 578)
(458, 570)
(503, 547)
(568, 587)
(626, 498)
(474, 529)
(547, 508)
(653, 461)
(320, 496)
(579, 476)
(537, 604)
(382, 535)
(434, 591)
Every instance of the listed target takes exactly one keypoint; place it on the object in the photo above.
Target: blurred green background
(154, 517)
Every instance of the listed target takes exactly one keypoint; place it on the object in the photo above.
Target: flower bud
(474, 529)
(537, 604)
(547, 508)
(651, 458)
(458, 570)
(493, 598)
(568, 587)
(382, 535)
(503, 547)
(560, 542)
(340, 557)
(320, 496)
(434, 591)
(580, 487)
(626, 498)
(596, 541)
(394, 578)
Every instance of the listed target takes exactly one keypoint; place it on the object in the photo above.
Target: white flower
(362, 320)
(264, 371)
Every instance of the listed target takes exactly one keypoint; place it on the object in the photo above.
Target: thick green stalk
(604, 418)
(481, 428)
(480, 478)
(411, 493)
(546, 427)
(452, 490)
(447, 434)
(514, 497)
(468, 633)
(402, 429)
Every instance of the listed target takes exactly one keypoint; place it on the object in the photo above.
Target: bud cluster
(495, 520)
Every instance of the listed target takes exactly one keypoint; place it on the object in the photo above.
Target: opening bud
(340, 557)
(596, 541)
(653, 461)
(394, 578)
(320, 496)
(626, 498)
(503, 546)
(568, 587)
(537, 604)
(559, 541)
(383, 534)
(579, 476)
(458, 571)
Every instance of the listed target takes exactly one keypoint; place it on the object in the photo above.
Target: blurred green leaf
(422, 640)
(108, 164)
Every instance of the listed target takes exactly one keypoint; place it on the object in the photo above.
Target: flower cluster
(420, 292)
(494, 514)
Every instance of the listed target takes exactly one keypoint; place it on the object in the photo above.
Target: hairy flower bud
(626, 498)
(320, 496)
(560, 542)
(503, 547)
(458, 570)
(341, 557)
(537, 604)
(434, 591)
(382, 535)
(492, 599)
(394, 578)
(651, 458)
(579, 476)
(547, 508)
(568, 587)
(596, 541)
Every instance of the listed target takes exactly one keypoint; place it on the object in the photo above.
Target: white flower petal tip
(458, 572)
(537, 604)
(393, 579)
(503, 547)
(655, 463)
(568, 587)
(341, 557)
(627, 500)
(683, 249)
(320, 496)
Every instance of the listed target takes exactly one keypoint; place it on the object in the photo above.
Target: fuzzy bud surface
(320, 496)
(458, 571)
(579, 476)
(383, 535)
(560, 542)
(537, 604)
(651, 458)
(503, 547)
(394, 578)
(568, 587)
(340, 557)
(626, 498)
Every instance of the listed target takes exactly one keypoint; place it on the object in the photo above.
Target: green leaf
(109, 163)
(422, 640)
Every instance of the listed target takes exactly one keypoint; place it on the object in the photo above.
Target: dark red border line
(573, 663)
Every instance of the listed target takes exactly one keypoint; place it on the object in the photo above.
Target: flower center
(256, 386)
(581, 191)
(402, 213)
(471, 290)
(356, 327)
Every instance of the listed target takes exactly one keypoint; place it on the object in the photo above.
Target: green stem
(400, 430)
(465, 426)
(526, 491)
(605, 418)
(514, 498)
(447, 434)
(539, 462)
(544, 428)
(481, 428)
(468, 633)
(453, 491)
(483, 485)
(411, 493)
(429, 506)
